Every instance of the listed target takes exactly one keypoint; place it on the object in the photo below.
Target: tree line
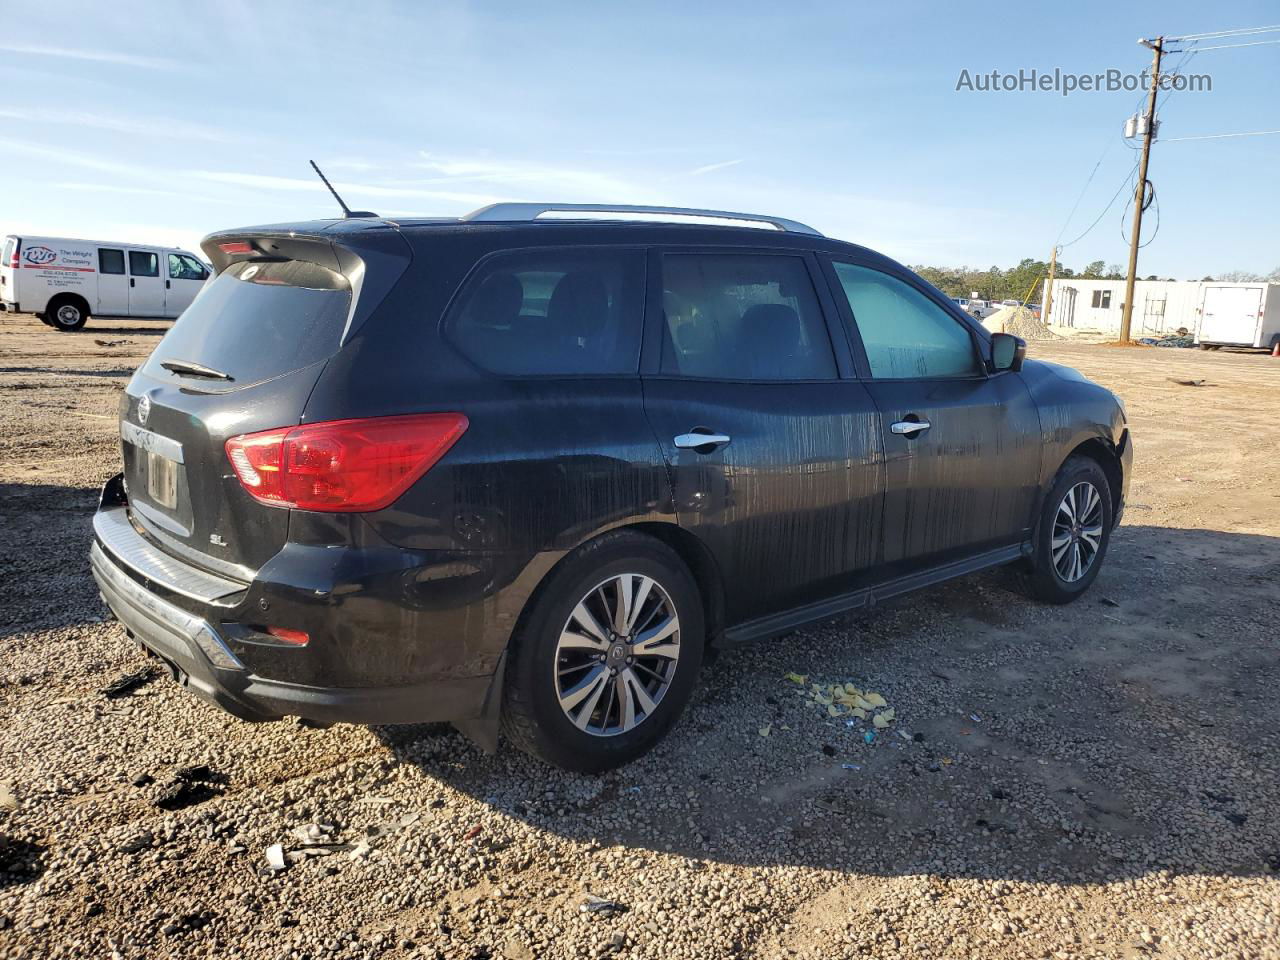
(1023, 281)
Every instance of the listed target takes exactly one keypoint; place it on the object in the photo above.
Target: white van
(65, 281)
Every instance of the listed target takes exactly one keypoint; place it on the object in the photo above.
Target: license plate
(162, 480)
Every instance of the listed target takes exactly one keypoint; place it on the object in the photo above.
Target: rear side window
(257, 320)
(906, 335)
(110, 261)
(143, 264)
(552, 312)
(743, 317)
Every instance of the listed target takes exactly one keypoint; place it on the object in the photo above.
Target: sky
(162, 122)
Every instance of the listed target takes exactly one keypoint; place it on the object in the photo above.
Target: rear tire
(585, 695)
(1072, 534)
(66, 313)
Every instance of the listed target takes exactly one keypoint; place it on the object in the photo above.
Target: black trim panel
(790, 620)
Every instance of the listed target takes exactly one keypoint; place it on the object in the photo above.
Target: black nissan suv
(520, 470)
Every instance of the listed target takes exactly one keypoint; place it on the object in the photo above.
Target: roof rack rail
(523, 212)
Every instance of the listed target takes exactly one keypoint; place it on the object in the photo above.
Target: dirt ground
(1099, 780)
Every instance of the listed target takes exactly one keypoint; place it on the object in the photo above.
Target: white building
(1238, 313)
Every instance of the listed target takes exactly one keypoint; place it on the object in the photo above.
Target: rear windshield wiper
(195, 369)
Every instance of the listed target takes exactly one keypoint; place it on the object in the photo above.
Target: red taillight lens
(236, 246)
(298, 638)
(345, 466)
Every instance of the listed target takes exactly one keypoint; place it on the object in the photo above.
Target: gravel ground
(1101, 780)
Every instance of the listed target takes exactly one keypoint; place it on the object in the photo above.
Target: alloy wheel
(617, 655)
(1077, 532)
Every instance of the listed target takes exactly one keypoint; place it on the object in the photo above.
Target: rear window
(9, 246)
(553, 312)
(258, 320)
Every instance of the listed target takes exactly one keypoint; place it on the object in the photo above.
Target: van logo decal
(144, 410)
(39, 255)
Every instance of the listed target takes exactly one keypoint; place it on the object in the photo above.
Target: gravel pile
(1098, 780)
(1020, 322)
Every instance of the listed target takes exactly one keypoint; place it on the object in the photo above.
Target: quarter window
(143, 264)
(553, 312)
(182, 267)
(906, 335)
(110, 261)
(743, 317)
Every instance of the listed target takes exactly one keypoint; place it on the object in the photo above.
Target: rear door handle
(692, 441)
(909, 428)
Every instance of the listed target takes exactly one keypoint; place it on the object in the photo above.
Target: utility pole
(1140, 191)
(1048, 286)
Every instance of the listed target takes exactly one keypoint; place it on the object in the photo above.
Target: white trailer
(65, 281)
(1239, 315)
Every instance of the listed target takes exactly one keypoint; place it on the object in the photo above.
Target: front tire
(606, 660)
(1073, 532)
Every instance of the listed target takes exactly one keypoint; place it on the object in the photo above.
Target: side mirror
(1007, 352)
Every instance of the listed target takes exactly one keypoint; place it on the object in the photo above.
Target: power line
(1232, 46)
(1216, 34)
(1110, 204)
(1221, 136)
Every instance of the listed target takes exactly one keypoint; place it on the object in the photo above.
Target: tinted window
(904, 332)
(144, 264)
(182, 267)
(743, 317)
(260, 320)
(553, 312)
(110, 261)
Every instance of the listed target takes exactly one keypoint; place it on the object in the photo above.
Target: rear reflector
(236, 246)
(298, 638)
(345, 466)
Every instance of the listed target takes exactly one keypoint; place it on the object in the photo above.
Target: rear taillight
(345, 466)
(13, 258)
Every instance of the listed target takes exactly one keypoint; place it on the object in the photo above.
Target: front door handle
(909, 428)
(694, 441)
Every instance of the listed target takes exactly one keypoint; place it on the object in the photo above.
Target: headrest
(579, 307)
(775, 326)
(498, 301)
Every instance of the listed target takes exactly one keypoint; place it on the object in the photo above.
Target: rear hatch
(242, 358)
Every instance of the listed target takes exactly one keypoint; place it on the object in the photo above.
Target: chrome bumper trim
(129, 548)
(171, 626)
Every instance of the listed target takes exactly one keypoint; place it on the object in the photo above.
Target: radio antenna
(347, 212)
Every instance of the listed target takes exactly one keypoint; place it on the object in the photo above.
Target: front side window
(144, 264)
(552, 312)
(110, 261)
(182, 267)
(906, 335)
(743, 317)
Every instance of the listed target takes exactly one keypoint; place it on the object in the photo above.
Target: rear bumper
(183, 616)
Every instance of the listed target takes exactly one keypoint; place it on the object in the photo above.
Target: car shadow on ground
(1131, 732)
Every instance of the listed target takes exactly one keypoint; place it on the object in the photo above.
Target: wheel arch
(1106, 456)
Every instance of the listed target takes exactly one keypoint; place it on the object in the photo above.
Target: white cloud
(712, 167)
(546, 181)
(96, 56)
(351, 192)
(153, 127)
